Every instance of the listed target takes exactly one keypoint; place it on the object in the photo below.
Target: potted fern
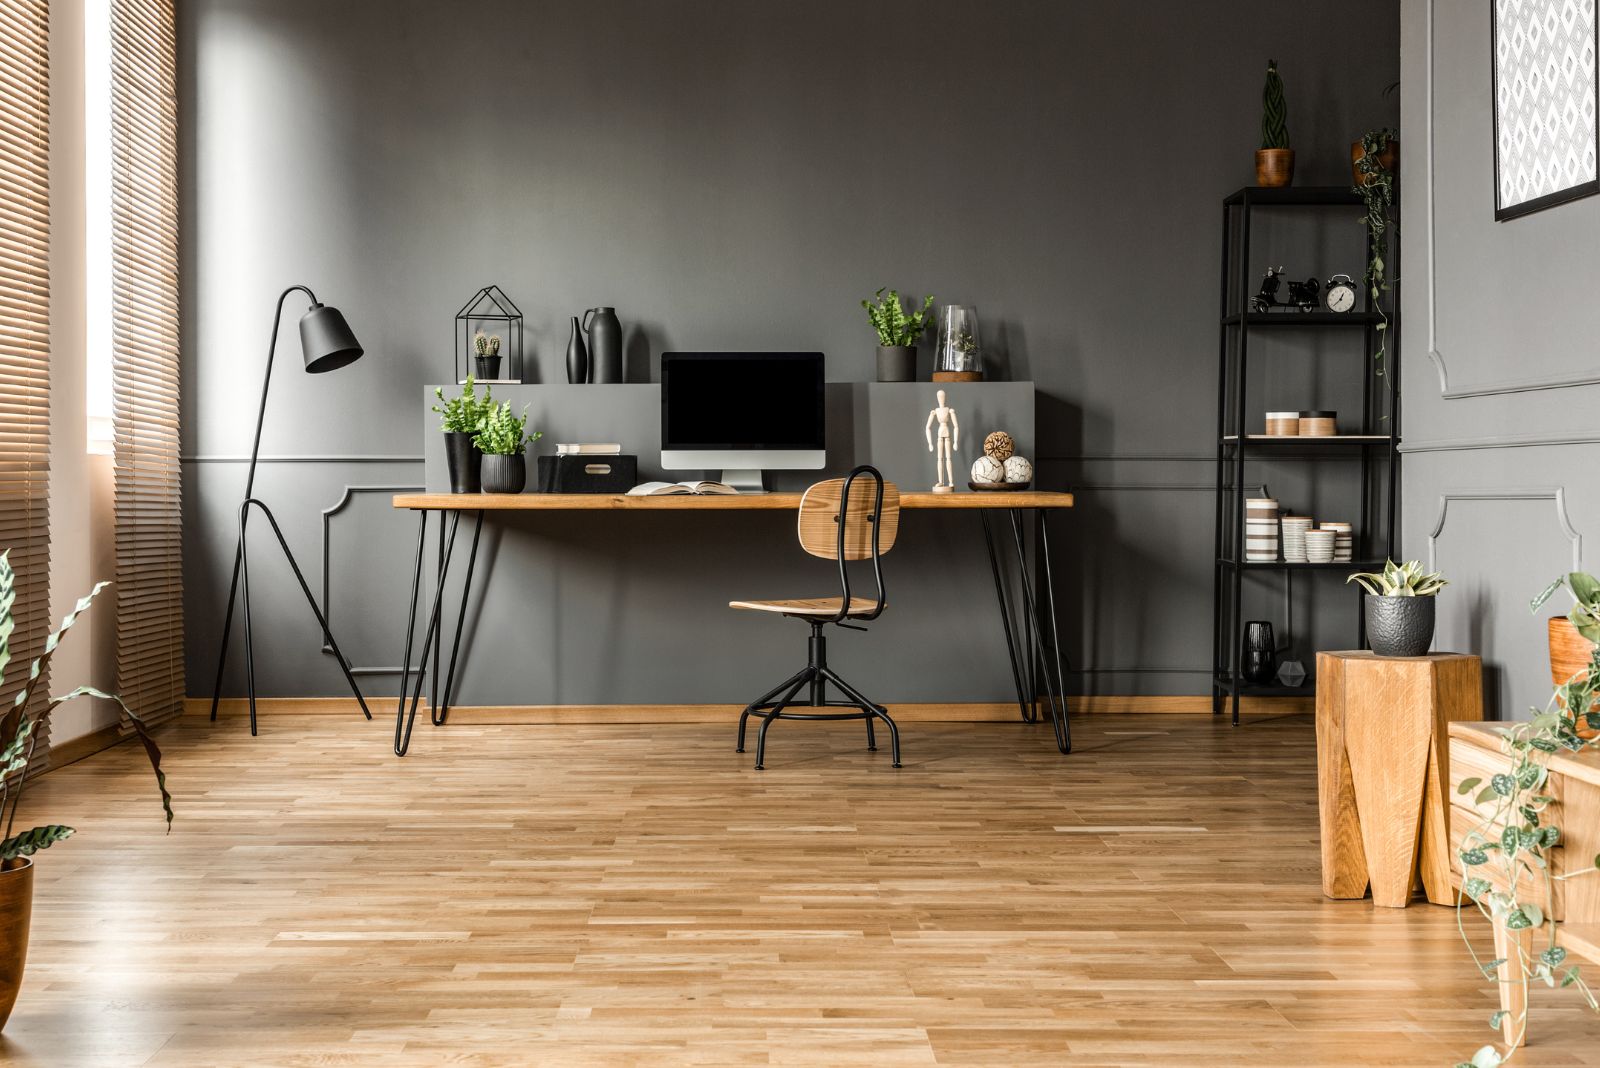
(1274, 159)
(503, 438)
(461, 418)
(897, 335)
(16, 757)
(1399, 608)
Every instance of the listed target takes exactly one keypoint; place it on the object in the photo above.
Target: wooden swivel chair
(843, 519)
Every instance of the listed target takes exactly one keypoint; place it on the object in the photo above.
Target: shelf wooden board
(1284, 565)
(764, 502)
(1271, 689)
(1293, 444)
(1305, 196)
(1294, 319)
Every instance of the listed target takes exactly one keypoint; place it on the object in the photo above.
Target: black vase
(577, 355)
(488, 367)
(462, 459)
(505, 474)
(897, 363)
(605, 344)
(1260, 653)
(1399, 626)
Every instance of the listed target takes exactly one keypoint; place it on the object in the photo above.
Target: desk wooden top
(768, 502)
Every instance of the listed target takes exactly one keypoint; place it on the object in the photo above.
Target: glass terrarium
(957, 355)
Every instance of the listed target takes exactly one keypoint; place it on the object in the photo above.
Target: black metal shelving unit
(1375, 447)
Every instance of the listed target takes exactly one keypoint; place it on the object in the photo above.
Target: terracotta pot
(1569, 658)
(1274, 167)
(16, 911)
(1389, 158)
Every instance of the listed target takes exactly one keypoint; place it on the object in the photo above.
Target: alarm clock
(1341, 293)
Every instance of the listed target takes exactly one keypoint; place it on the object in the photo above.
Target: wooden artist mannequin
(949, 442)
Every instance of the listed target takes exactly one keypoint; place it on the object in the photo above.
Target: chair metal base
(815, 678)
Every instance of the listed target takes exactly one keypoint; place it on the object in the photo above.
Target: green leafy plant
(1274, 111)
(895, 328)
(486, 344)
(17, 754)
(1400, 580)
(1376, 190)
(502, 433)
(464, 414)
(1510, 846)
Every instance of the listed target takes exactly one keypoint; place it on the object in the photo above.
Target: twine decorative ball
(987, 469)
(999, 446)
(1018, 469)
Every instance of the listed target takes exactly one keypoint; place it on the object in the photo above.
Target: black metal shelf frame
(1377, 451)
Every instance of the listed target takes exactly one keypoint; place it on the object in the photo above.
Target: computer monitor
(743, 412)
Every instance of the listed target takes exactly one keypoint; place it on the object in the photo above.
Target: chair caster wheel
(898, 765)
(739, 750)
(761, 767)
(872, 749)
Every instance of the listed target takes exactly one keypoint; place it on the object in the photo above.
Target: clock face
(1341, 298)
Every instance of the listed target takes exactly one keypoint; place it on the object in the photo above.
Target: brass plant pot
(1274, 167)
(1388, 159)
(16, 912)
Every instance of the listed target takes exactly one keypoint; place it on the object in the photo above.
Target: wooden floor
(636, 895)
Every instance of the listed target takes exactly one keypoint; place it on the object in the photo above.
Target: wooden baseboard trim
(87, 745)
(962, 712)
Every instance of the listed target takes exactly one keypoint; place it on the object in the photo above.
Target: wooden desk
(1039, 662)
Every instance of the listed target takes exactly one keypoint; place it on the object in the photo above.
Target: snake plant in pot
(1399, 607)
(1274, 159)
(21, 733)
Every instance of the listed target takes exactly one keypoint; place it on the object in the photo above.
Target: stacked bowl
(1344, 540)
(1294, 537)
(1319, 546)
(1260, 530)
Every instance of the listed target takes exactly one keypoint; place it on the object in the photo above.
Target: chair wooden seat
(810, 606)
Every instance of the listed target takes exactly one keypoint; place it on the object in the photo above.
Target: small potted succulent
(503, 439)
(461, 418)
(897, 335)
(1274, 159)
(487, 359)
(1399, 608)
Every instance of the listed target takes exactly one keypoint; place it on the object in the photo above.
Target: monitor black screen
(741, 400)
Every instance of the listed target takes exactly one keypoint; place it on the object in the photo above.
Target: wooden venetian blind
(25, 334)
(144, 357)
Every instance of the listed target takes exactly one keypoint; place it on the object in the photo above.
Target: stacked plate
(1344, 541)
(1319, 546)
(1260, 530)
(1294, 537)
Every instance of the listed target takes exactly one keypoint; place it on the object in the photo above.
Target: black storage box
(588, 474)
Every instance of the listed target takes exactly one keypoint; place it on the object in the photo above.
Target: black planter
(1260, 653)
(897, 363)
(488, 367)
(462, 458)
(1399, 626)
(577, 355)
(505, 474)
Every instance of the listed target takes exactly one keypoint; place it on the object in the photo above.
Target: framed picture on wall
(1545, 91)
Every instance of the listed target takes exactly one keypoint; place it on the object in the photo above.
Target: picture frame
(1545, 94)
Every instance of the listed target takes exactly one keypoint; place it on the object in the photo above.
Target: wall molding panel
(328, 513)
(1528, 442)
(312, 458)
(1554, 494)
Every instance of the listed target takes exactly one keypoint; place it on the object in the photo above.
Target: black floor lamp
(327, 344)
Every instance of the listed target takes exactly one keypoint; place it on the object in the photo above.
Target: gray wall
(1501, 375)
(739, 175)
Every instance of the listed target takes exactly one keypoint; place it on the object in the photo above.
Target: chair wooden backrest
(828, 521)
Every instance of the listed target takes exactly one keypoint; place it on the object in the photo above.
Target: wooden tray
(997, 487)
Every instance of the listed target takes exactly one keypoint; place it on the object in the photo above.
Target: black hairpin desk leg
(1039, 659)
(433, 633)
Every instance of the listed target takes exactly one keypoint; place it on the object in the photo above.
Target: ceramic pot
(488, 367)
(1399, 626)
(1260, 653)
(577, 355)
(505, 474)
(605, 344)
(463, 459)
(1388, 159)
(1274, 167)
(1569, 660)
(16, 913)
(897, 363)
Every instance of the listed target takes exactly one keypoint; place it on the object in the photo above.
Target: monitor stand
(745, 479)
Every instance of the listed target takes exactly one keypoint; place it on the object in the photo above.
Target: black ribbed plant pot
(488, 367)
(1399, 626)
(897, 363)
(505, 474)
(462, 459)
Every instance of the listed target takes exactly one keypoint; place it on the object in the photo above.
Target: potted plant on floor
(897, 335)
(503, 439)
(1399, 607)
(460, 419)
(487, 359)
(1274, 159)
(17, 848)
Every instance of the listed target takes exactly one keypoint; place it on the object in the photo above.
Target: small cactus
(494, 344)
(480, 342)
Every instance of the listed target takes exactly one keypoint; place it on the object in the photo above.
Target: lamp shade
(326, 340)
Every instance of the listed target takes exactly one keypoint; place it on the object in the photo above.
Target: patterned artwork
(1544, 73)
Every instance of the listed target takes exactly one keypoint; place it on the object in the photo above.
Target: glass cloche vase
(957, 356)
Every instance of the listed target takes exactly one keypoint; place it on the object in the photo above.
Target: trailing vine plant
(1510, 847)
(1376, 190)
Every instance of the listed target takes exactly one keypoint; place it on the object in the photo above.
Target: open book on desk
(668, 489)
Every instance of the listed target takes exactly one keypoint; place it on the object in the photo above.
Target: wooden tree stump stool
(1383, 771)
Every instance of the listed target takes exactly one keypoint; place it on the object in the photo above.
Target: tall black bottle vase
(577, 355)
